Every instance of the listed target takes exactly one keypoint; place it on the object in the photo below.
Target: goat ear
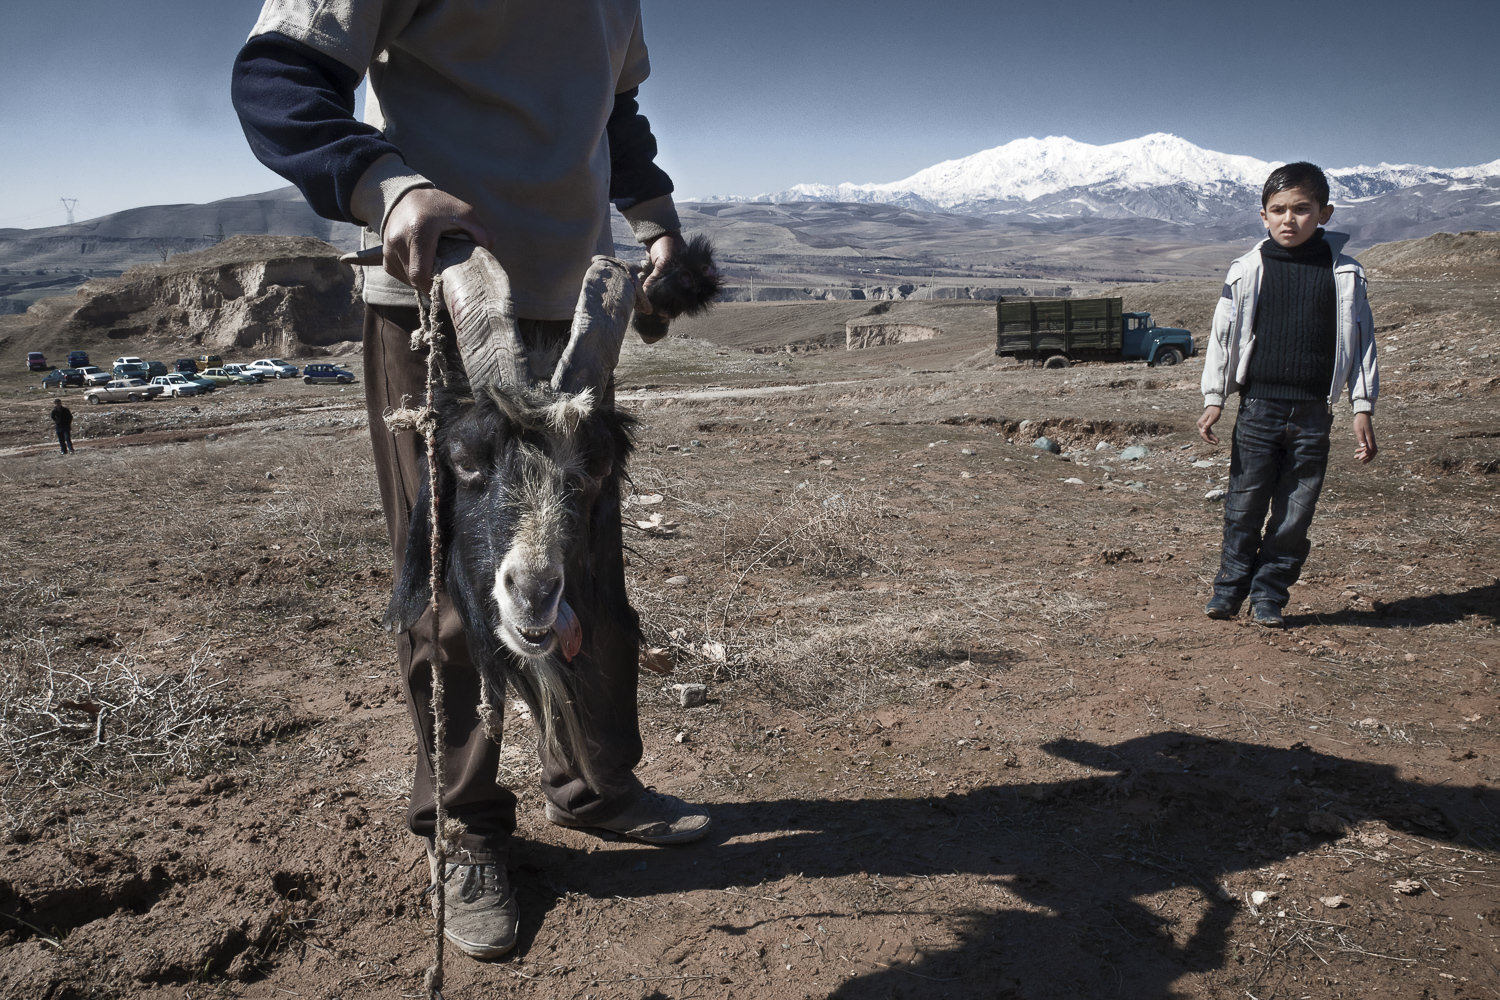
(599, 322)
(413, 589)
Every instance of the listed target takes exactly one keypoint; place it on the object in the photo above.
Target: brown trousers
(395, 375)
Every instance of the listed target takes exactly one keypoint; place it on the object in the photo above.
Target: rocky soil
(968, 733)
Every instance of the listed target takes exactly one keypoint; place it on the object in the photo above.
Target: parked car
(206, 384)
(245, 370)
(322, 374)
(176, 384)
(78, 359)
(274, 368)
(223, 376)
(58, 378)
(132, 389)
(94, 376)
(130, 369)
(209, 361)
(36, 362)
(185, 365)
(155, 369)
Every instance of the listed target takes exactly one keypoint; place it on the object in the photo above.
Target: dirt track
(969, 734)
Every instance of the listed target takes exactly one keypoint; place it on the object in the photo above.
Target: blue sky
(120, 103)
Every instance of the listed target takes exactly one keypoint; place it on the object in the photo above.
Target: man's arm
(296, 106)
(641, 189)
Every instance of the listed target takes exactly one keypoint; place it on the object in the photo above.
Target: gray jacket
(1233, 338)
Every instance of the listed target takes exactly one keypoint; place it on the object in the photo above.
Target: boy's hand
(1210, 417)
(1364, 438)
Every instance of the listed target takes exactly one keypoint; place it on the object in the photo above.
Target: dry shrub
(823, 529)
(105, 725)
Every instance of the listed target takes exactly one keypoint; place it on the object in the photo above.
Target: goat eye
(465, 467)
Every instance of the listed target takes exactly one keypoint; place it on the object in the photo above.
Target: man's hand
(1364, 438)
(661, 250)
(1206, 423)
(413, 228)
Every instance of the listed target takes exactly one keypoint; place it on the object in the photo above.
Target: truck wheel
(1056, 361)
(1168, 356)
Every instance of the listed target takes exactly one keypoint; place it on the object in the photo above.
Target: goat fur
(685, 286)
(514, 462)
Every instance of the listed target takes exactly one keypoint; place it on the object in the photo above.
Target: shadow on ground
(1427, 609)
(1171, 811)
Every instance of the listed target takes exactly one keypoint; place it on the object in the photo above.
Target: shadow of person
(1071, 865)
(1425, 609)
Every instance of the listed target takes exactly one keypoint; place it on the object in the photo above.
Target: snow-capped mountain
(1166, 180)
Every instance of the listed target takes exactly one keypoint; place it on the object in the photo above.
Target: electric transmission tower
(68, 204)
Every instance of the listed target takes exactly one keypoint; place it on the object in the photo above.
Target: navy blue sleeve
(296, 106)
(634, 176)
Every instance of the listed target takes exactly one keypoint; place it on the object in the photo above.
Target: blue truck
(1057, 332)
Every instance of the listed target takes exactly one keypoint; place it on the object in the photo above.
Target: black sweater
(1295, 323)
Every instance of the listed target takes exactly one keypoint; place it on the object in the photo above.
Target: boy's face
(1293, 216)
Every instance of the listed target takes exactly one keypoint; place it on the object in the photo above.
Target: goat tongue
(569, 631)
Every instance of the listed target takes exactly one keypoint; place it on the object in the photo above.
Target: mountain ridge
(1166, 179)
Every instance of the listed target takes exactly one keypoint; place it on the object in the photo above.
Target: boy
(1291, 330)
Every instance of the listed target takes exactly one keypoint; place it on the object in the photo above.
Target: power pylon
(68, 204)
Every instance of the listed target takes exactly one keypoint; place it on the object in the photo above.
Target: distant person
(516, 125)
(62, 422)
(1291, 332)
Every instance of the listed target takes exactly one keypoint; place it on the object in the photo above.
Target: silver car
(273, 368)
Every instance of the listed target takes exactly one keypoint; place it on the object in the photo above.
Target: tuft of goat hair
(685, 286)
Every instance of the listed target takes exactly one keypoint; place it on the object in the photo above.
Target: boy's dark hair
(1296, 175)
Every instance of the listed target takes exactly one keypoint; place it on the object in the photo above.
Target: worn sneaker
(1268, 615)
(482, 911)
(653, 818)
(1222, 608)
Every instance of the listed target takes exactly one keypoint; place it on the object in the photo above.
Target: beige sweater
(502, 104)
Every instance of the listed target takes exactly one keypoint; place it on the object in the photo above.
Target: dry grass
(68, 727)
(811, 604)
(826, 530)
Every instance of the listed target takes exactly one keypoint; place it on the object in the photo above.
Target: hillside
(272, 294)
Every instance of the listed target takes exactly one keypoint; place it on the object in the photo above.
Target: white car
(176, 384)
(95, 376)
(273, 368)
(255, 373)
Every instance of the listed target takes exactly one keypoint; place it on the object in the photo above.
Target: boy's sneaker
(653, 818)
(482, 911)
(1268, 615)
(1222, 608)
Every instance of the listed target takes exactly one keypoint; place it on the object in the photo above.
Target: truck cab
(1156, 345)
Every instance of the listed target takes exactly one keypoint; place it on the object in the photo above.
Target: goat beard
(569, 631)
(684, 286)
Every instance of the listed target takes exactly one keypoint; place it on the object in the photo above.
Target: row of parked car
(131, 378)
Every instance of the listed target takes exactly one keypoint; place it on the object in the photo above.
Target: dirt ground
(968, 732)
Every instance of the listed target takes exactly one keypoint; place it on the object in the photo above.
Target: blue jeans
(1277, 463)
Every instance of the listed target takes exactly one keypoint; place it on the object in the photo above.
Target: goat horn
(477, 292)
(593, 349)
